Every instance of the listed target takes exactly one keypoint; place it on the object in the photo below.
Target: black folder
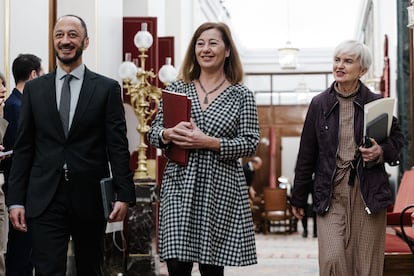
(108, 195)
(378, 128)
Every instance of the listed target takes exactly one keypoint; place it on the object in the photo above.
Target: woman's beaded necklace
(212, 91)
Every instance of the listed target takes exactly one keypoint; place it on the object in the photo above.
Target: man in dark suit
(25, 67)
(3, 220)
(54, 179)
(249, 169)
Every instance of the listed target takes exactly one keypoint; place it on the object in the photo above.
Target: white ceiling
(265, 24)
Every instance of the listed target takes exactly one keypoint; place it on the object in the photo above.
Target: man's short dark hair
(83, 24)
(23, 66)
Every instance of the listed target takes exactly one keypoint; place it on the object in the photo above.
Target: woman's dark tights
(177, 268)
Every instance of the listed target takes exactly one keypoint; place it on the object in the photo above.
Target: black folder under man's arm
(108, 195)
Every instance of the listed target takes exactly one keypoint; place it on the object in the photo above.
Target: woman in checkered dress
(204, 214)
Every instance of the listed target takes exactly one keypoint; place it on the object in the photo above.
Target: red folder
(176, 108)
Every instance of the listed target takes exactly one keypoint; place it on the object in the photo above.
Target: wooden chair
(406, 231)
(277, 211)
(399, 240)
(399, 248)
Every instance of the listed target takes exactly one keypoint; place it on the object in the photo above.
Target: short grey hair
(357, 49)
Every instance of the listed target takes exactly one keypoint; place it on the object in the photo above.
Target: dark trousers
(52, 230)
(177, 268)
(308, 213)
(18, 254)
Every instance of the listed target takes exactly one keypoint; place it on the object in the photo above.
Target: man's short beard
(78, 54)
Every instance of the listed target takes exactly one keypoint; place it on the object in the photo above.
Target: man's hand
(119, 212)
(1, 149)
(17, 218)
(298, 212)
(252, 192)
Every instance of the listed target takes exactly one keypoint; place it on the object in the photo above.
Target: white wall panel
(28, 32)
(3, 31)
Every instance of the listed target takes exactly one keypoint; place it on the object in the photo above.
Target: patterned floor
(278, 254)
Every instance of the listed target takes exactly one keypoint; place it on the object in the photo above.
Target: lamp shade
(288, 56)
(127, 70)
(143, 38)
(167, 72)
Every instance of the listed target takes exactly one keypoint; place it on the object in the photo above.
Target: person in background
(249, 170)
(71, 134)
(308, 212)
(25, 67)
(3, 213)
(205, 215)
(350, 199)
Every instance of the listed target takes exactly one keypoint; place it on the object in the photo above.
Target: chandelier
(288, 55)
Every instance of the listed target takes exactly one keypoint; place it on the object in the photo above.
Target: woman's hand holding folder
(372, 153)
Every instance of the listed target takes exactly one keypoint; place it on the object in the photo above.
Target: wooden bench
(398, 255)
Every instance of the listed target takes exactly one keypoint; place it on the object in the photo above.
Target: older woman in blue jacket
(349, 198)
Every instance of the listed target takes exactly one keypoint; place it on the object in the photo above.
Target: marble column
(142, 258)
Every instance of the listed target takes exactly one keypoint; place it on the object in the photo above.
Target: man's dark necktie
(64, 106)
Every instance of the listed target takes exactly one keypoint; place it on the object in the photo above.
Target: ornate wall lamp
(145, 97)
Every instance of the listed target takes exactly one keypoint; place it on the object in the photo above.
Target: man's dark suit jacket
(11, 114)
(97, 135)
(248, 173)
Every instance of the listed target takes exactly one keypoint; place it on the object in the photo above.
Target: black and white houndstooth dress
(204, 213)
